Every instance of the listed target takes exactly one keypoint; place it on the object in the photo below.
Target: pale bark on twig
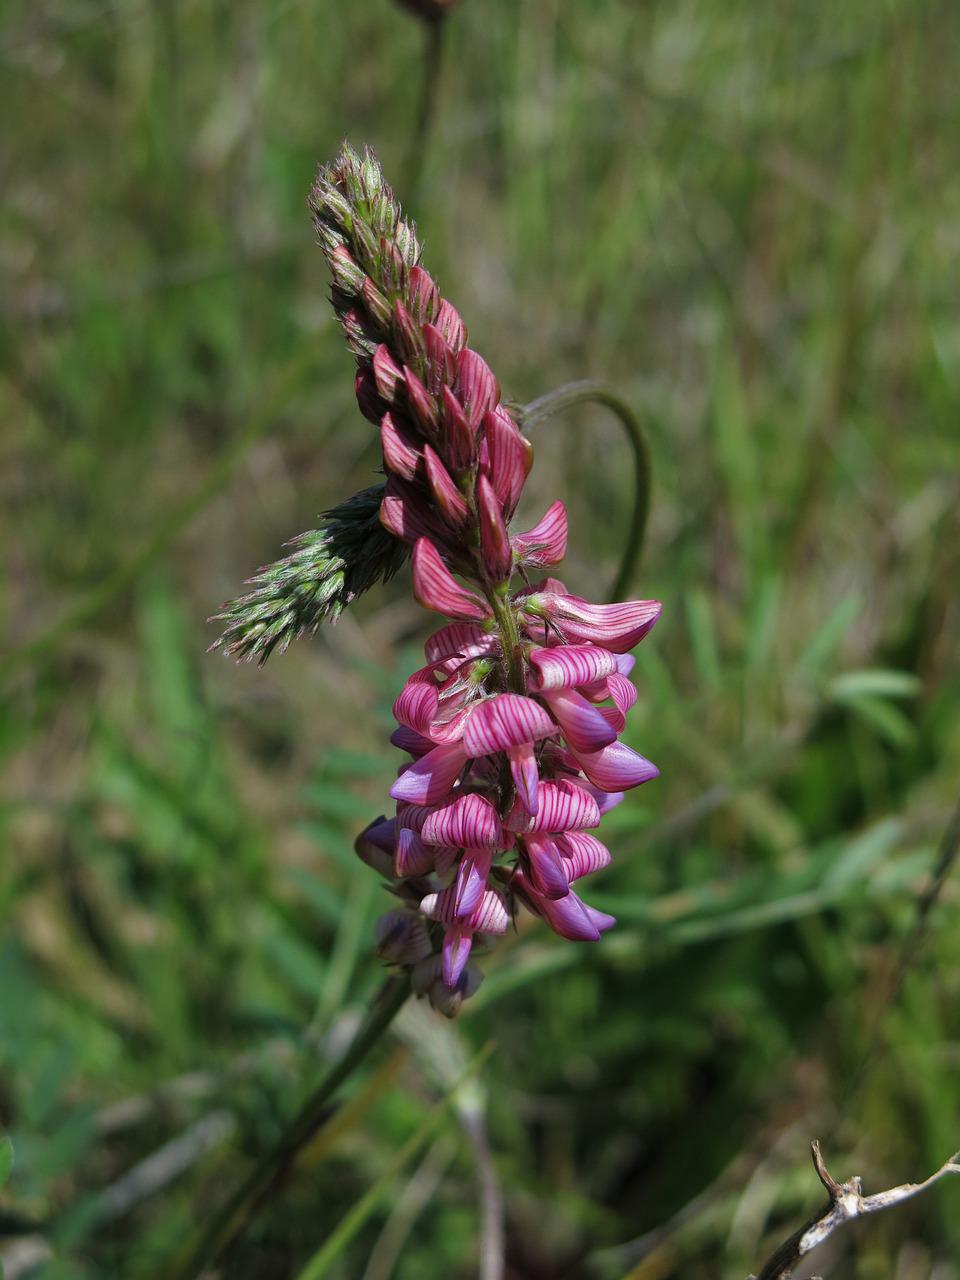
(846, 1203)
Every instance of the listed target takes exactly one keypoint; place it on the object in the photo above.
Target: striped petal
(477, 388)
(568, 666)
(526, 775)
(546, 543)
(563, 806)
(461, 639)
(469, 822)
(615, 768)
(400, 452)
(436, 588)
(505, 720)
(583, 853)
(584, 726)
(617, 627)
(430, 778)
(494, 541)
(418, 701)
(448, 497)
(405, 513)
(506, 457)
(472, 881)
(457, 943)
(489, 916)
(412, 857)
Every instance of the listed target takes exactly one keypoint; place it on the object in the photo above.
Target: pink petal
(436, 588)
(386, 373)
(448, 497)
(456, 952)
(368, 397)
(418, 702)
(406, 739)
(429, 779)
(490, 915)
(568, 666)
(548, 875)
(469, 822)
(617, 627)
(505, 720)
(450, 325)
(459, 438)
(421, 403)
(441, 361)
(463, 638)
(583, 725)
(405, 513)
(546, 543)
(583, 853)
(422, 294)
(400, 452)
(568, 916)
(477, 389)
(494, 541)
(563, 806)
(615, 768)
(471, 881)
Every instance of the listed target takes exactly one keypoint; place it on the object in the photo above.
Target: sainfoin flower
(512, 725)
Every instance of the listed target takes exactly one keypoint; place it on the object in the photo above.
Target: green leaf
(6, 1160)
(887, 720)
(874, 682)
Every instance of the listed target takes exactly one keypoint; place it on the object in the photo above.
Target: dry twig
(846, 1203)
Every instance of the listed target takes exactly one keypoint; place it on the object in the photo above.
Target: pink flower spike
(563, 806)
(448, 497)
(546, 543)
(616, 767)
(477, 389)
(508, 459)
(469, 822)
(570, 666)
(459, 638)
(505, 720)
(421, 403)
(526, 776)
(430, 778)
(436, 588)
(548, 874)
(494, 541)
(584, 726)
(583, 853)
(405, 514)
(412, 857)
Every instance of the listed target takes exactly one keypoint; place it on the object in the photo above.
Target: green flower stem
(589, 392)
(250, 1197)
(499, 598)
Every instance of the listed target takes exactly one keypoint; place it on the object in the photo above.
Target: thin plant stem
(227, 1225)
(590, 392)
(426, 108)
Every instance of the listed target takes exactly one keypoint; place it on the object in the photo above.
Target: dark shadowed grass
(746, 221)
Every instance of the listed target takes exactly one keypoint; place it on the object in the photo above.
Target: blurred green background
(746, 218)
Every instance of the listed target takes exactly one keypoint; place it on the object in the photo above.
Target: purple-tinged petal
(472, 880)
(583, 853)
(401, 938)
(548, 874)
(494, 540)
(508, 458)
(374, 846)
(563, 806)
(505, 720)
(406, 739)
(546, 543)
(459, 638)
(368, 397)
(477, 388)
(436, 588)
(615, 768)
(411, 857)
(584, 727)
(489, 916)
(386, 373)
(457, 943)
(526, 776)
(407, 336)
(413, 816)
(568, 666)
(448, 497)
(430, 778)
(459, 437)
(469, 821)
(568, 916)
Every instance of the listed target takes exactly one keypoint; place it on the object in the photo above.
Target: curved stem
(589, 392)
(228, 1224)
(426, 109)
(499, 599)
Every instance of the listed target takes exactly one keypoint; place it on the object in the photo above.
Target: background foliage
(746, 218)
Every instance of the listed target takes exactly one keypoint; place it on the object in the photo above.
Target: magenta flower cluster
(512, 726)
